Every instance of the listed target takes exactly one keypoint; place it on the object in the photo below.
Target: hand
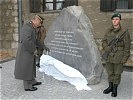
(123, 61)
(107, 48)
(47, 49)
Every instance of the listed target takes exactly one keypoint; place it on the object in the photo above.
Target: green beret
(116, 15)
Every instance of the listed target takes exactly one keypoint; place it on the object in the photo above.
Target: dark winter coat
(25, 68)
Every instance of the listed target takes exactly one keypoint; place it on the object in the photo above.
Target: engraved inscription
(63, 43)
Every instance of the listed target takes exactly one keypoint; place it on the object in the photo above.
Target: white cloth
(63, 72)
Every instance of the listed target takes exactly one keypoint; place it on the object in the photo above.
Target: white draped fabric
(62, 72)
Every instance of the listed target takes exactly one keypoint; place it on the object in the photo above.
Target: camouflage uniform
(119, 54)
(40, 43)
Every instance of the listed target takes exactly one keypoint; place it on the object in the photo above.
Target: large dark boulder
(71, 41)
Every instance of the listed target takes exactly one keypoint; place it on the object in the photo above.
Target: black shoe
(37, 83)
(109, 89)
(114, 92)
(38, 65)
(32, 89)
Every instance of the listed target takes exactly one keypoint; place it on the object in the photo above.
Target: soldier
(40, 43)
(25, 68)
(118, 55)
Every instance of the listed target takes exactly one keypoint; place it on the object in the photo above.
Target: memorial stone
(70, 39)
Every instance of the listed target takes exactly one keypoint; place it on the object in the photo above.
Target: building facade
(14, 13)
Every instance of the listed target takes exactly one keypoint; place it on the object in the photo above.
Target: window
(112, 5)
(37, 6)
(49, 5)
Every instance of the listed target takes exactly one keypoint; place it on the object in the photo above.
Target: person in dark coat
(25, 68)
(118, 55)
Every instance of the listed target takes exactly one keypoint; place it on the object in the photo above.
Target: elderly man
(119, 38)
(25, 68)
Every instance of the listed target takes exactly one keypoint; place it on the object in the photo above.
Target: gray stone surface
(12, 89)
(71, 41)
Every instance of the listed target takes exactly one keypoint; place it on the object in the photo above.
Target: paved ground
(54, 89)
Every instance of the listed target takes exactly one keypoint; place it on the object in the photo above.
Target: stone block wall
(101, 21)
(9, 29)
(9, 23)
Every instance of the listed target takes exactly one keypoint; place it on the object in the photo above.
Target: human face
(116, 21)
(37, 22)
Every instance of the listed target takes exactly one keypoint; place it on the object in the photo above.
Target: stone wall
(9, 29)
(9, 34)
(100, 20)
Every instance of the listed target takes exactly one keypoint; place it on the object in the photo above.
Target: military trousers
(39, 51)
(114, 72)
(28, 83)
(39, 54)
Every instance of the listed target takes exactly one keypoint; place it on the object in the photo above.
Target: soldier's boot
(114, 92)
(109, 89)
